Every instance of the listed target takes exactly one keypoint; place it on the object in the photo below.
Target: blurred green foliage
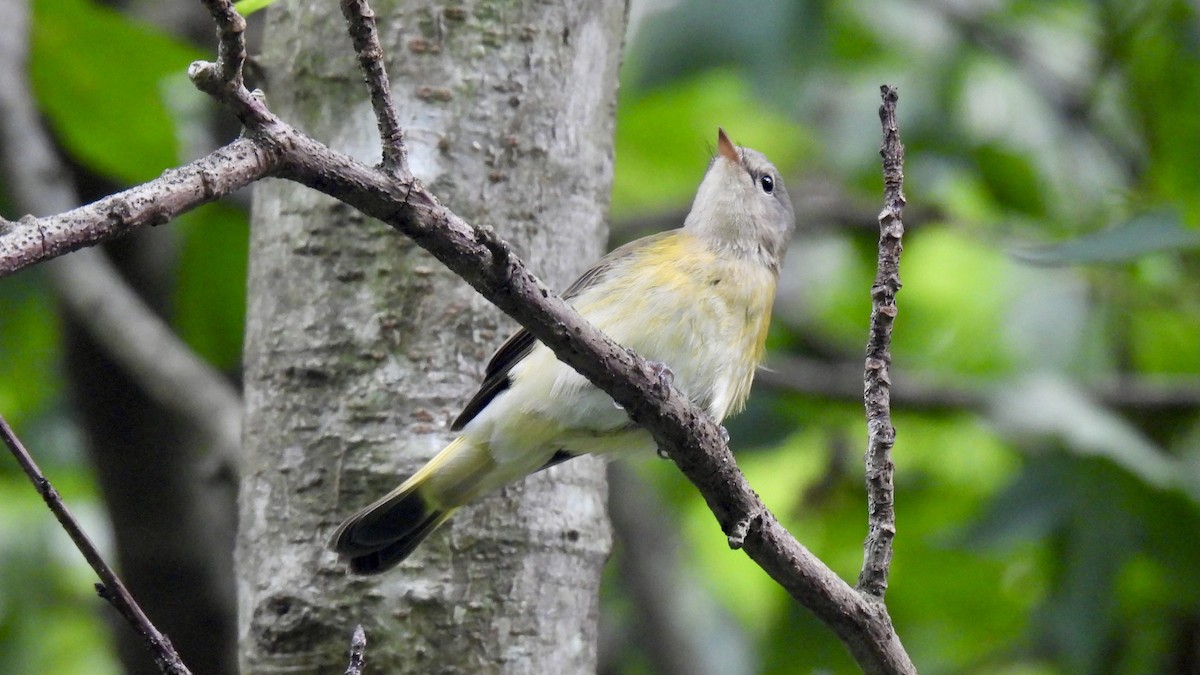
(1052, 157)
(1053, 175)
(96, 75)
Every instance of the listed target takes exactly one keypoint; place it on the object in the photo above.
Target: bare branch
(111, 588)
(877, 395)
(361, 20)
(231, 40)
(358, 651)
(223, 80)
(34, 240)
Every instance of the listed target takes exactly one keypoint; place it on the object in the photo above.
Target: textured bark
(361, 348)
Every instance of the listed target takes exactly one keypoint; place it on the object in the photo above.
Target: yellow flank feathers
(678, 295)
(697, 299)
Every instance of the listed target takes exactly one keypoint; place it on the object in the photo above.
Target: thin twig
(361, 21)
(231, 43)
(223, 80)
(358, 651)
(111, 588)
(877, 556)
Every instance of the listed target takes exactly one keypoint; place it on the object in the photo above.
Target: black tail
(377, 538)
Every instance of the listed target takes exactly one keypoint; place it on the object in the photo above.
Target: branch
(111, 588)
(361, 20)
(877, 557)
(30, 240)
(223, 80)
(358, 651)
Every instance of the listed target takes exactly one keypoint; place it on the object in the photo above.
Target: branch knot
(741, 529)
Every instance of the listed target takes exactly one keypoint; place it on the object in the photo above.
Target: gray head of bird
(742, 206)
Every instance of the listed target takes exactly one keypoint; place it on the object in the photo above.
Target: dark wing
(495, 378)
(519, 344)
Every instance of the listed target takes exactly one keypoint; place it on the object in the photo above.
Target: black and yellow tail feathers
(385, 533)
(381, 535)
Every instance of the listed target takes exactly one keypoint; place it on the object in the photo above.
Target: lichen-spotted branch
(881, 510)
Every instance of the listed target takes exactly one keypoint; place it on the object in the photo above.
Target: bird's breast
(702, 314)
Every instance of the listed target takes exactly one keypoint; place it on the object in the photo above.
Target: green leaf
(248, 7)
(1011, 178)
(1151, 232)
(665, 137)
(98, 78)
(210, 296)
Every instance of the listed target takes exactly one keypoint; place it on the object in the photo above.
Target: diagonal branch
(112, 589)
(877, 557)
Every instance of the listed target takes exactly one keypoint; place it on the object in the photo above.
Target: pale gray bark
(361, 348)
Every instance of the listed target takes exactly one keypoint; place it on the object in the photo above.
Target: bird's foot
(663, 372)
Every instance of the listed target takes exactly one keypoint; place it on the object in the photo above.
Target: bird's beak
(726, 148)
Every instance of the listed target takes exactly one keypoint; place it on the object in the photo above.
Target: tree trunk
(360, 348)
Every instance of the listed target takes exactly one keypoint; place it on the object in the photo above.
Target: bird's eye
(767, 183)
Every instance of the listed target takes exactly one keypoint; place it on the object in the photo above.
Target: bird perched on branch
(697, 299)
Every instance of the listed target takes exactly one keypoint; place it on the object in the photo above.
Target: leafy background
(1048, 506)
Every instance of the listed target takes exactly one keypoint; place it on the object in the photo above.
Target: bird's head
(742, 206)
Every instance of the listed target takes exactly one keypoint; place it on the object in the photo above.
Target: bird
(696, 299)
